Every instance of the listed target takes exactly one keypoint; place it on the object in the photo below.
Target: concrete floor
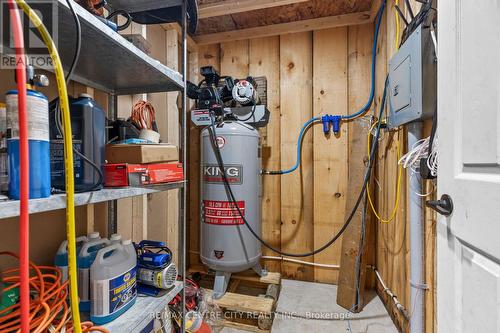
(316, 302)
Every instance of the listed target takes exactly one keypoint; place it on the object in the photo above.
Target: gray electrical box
(412, 90)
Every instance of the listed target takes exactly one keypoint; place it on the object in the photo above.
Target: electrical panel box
(412, 90)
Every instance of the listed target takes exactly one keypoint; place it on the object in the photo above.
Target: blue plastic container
(61, 260)
(39, 147)
(88, 121)
(85, 259)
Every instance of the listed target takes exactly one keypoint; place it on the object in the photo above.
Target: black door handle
(443, 206)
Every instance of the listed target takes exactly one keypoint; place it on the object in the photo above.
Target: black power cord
(416, 20)
(78, 46)
(100, 181)
(231, 197)
(124, 14)
(58, 115)
(252, 114)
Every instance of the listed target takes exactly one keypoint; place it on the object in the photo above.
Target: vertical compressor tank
(226, 243)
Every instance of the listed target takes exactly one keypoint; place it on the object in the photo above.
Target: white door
(468, 262)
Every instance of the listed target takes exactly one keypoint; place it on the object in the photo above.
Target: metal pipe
(389, 292)
(184, 159)
(415, 209)
(112, 205)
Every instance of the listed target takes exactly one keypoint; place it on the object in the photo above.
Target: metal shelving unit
(110, 63)
(145, 309)
(135, 6)
(10, 208)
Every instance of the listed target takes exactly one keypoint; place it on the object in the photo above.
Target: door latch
(443, 206)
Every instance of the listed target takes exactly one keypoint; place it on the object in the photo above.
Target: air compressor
(230, 111)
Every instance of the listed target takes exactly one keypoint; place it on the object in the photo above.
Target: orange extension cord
(143, 115)
(48, 307)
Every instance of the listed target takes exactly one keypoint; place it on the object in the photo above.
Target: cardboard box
(124, 174)
(139, 154)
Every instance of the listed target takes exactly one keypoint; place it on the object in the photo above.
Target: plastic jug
(113, 282)
(85, 259)
(115, 239)
(88, 122)
(93, 236)
(61, 260)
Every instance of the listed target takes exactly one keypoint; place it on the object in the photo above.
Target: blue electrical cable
(374, 62)
(336, 119)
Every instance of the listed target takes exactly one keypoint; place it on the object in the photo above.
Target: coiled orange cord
(143, 115)
(48, 306)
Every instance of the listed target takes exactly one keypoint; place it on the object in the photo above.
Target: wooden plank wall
(162, 208)
(156, 216)
(309, 74)
(360, 39)
(264, 61)
(392, 243)
(297, 229)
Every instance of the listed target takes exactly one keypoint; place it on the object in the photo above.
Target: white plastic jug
(61, 260)
(113, 282)
(94, 235)
(85, 259)
(115, 239)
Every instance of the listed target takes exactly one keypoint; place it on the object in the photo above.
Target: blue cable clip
(326, 123)
(335, 120)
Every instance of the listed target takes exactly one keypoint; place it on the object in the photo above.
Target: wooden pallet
(250, 300)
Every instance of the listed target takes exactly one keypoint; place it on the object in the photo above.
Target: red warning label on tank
(223, 212)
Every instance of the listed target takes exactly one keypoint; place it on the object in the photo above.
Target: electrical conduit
(415, 209)
(24, 270)
(68, 160)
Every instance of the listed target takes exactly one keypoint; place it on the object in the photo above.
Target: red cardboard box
(125, 174)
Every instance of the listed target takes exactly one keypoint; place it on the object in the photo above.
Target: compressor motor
(231, 110)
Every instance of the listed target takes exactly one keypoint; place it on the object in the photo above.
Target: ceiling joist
(191, 44)
(228, 7)
(285, 28)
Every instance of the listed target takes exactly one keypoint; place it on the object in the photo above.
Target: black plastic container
(88, 124)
